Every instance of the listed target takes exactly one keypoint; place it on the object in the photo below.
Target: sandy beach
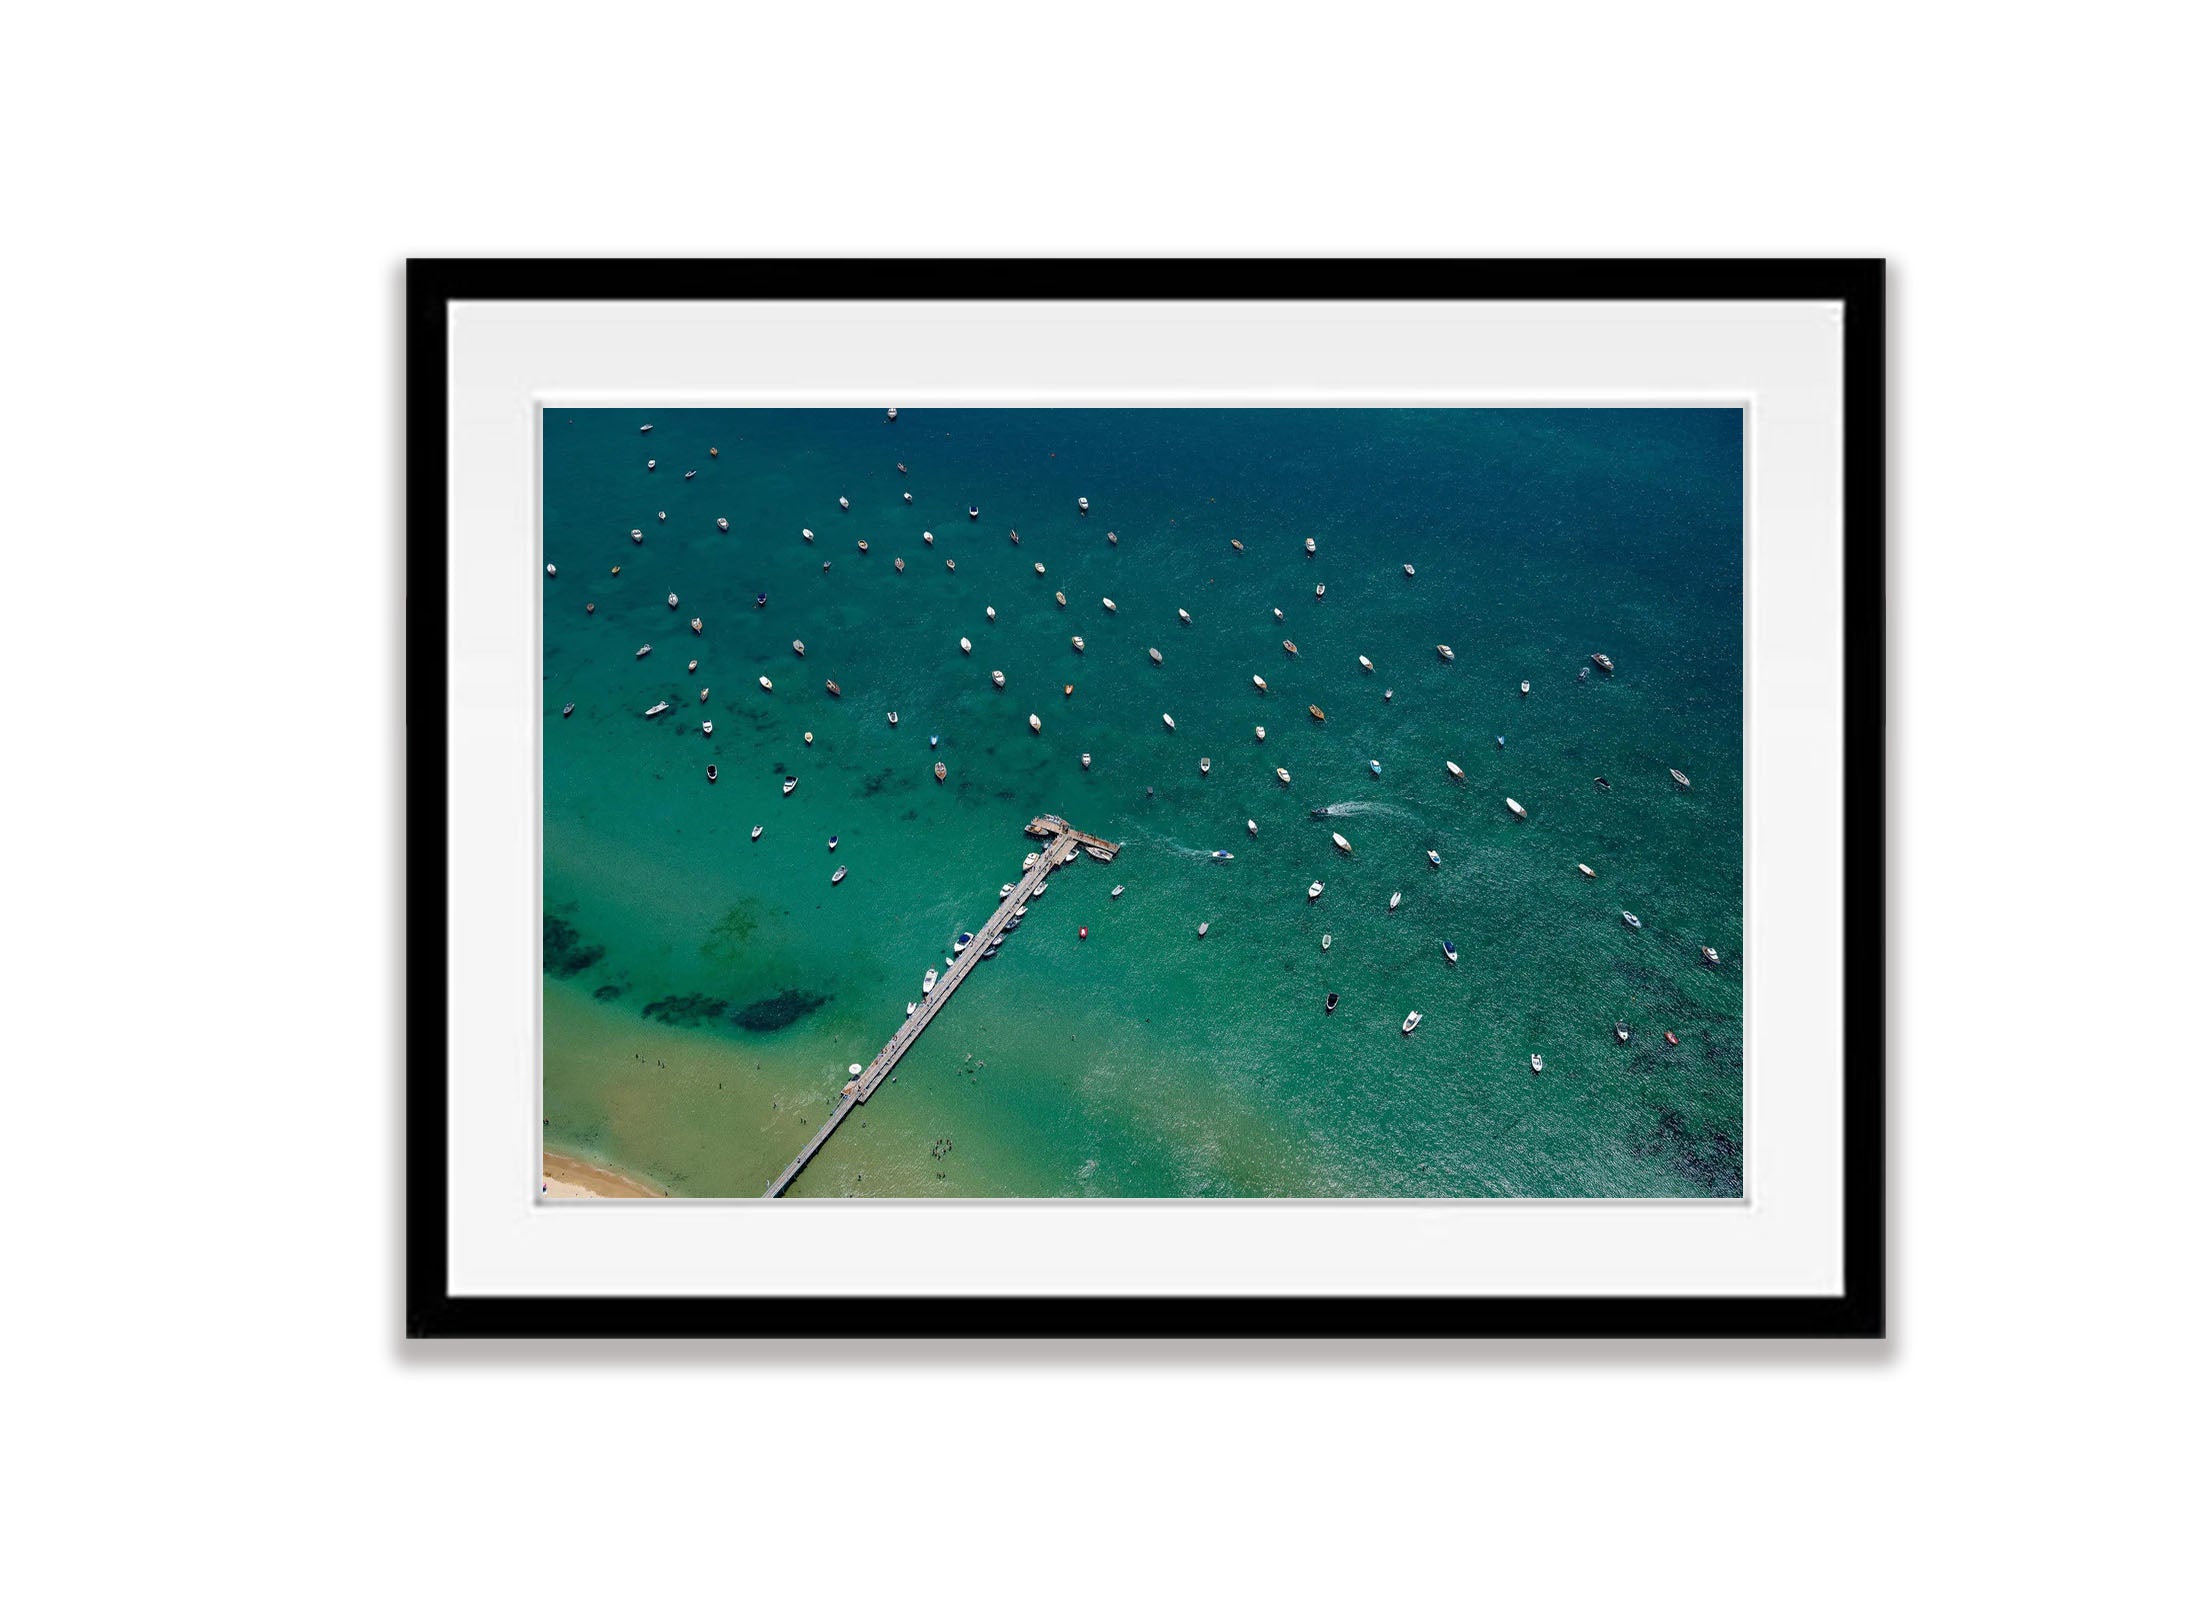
(570, 1178)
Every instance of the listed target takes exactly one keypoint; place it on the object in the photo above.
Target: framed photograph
(1146, 798)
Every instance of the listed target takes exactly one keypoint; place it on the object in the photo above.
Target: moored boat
(1366, 665)
(1289, 648)
(1153, 655)
(1622, 1032)
(568, 711)
(1168, 722)
(1260, 683)
(1314, 890)
(1396, 895)
(1434, 860)
(1451, 952)
(1331, 1005)
(1060, 598)
(1603, 661)
(645, 650)
(1457, 776)
(787, 787)
(931, 977)
(1341, 842)
(990, 614)
(766, 682)
(1083, 505)
(1203, 930)
(1309, 547)
(893, 719)
(1252, 827)
(999, 681)
(1085, 760)
(1283, 777)
(1444, 651)
(658, 709)
(1669, 1039)
(1679, 776)
(1077, 643)
(706, 725)
(1205, 766)
(1325, 941)
(1106, 604)
(1585, 869)
(1710, 956)
(964, 641)
(711, 772)
(939, 770)
(1631, 919)
(1260, 734)
(800, 648)
(1320, 589)
(843, 502)
(1409, 569)
(1116, 893)
(1220, 855)
(1183, 616)
(1519, 811)
(1034, 721)
(1535, 1063)
(1413, 1020)
(756, 833)
(1523, 685)
(1317, 713)
(1375, 767)
(839, 873)
(1238, 545)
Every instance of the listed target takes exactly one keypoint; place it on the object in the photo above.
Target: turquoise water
(704, 994)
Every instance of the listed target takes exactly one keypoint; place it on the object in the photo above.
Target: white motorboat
(1278, 610)
(1060, 598)
(973, 513)
(1283, 777)
(1085, 760)
(1710, 956)
(928, 536)
(893, 719)
(704, 696)
(706, 725)
(800, 649)
(787, 787)
(569, 711)
(1320, 589)
(1205, 766)
(1366, 665)
(1309, 547)
(1341, 842)
(1111, 536)
(688, 474)
(808, 537)
(1457, 776)
(1007, 889)
(1409, 569)
(1444, 651)
(658, 709)
(1260, 683)
(999, 681)
(1260, 734)
(722, 524)
(1413, 1020)
(1387, 693)
(1622, 1032)
(1603, 661)
(931, 976)
(1034, 719)
(1153, 655)
(660, 516)
(766, 682)
(693, 664)
(1168, 722)
(892, 412)
(1375, 767)
(1325, 941)
(1535, 1063)
(1252, 827)
(552, 569)
(843, 502)
(1106, 604)
(839, 873)
(1435, 860)
(909, 1012)
(1183, 616)
(636, 535)
(1519, 811)
(1523, 685)
(1679, 776)
(652, 464)
(1585, 869)
(1396, 895)
(1451, 952)
(964, 641)
(1039, 567)
(1631, 920)
(1038, 888)
(1083, 505)
(990, 614)
(907, 498)
(645, 650)
(647, 426)
(756, 833)
(1203, 930)
(898, 566)
(1314, 890)
(1116, 893)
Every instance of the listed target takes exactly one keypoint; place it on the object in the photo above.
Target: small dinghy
(1111, 537)
(1519, 811)
(991, 615)
(1631, 920)
(1116, 893)
(1085, 760)
(1366, 665)
(1205, 766)
(1238, 545)
(1060, 598)
(1622, 1032)
(1309, 547)
(1106, 604)
(1325, 941)
(1039, 567)
(897, 564)
(800, 648)
(912, 1009)
(907, 498)
(1083, 505)
(1669, 1039)
(1523, 685)
(808, 737)
(1413, 1020)
(999, 681)
(1168, 722)
(711, 772)
(1183, 616)
(695, 624)
(1343, 844)
(1434, 860)
(1034, 720)
(689, 473)
(1376, 767)
(1535, 1063)
(1457, 776)
(1260, 683)
(1409, 569)
(1331, 1006)
(863, 547)
(787, 787)
(843, 502)
(636, 535)
(652, 464)
(1710, 956)
(833, 843)
(645, 650)
(647, 426)
(965, 643)
(939, 770)
(1317, 713)
(766, 682)
(1585, 869)
(706, 725)
(721, 524)
(1153, 655)
(928, 536)
(839, 873)
(808, 537)
(1451, 952)
(1443, 652)
(893, 719)
(703, 695)
(1203, 930)
(973, 513)
(756, 833)
(1252, 827)
(1260, 734)
(1320, 589)
(568, 711)
(1289, 648)
(1605, 784)
(1068, 689)
(1314, 890)
(693, 664)
(1283, 777)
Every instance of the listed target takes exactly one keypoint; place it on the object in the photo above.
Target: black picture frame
(1859, 1311)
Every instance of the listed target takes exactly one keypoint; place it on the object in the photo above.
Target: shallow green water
(1146, 1061)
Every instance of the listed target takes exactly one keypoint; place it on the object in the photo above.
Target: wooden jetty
(1062, 841)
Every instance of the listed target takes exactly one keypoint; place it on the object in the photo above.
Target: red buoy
(1081, 932)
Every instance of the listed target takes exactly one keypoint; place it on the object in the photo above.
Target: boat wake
(1367, 808)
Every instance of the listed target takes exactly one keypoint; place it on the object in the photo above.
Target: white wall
(207, 209)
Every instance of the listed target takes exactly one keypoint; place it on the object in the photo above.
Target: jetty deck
(1062, 841)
